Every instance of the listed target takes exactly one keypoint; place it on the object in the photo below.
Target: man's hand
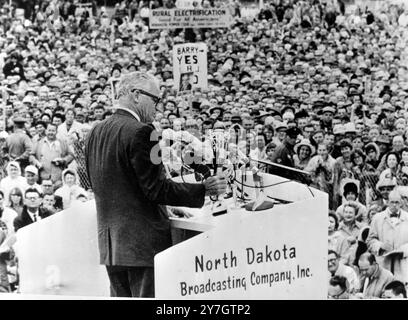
(215, 186)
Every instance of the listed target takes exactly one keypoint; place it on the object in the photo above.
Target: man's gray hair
(134, 80)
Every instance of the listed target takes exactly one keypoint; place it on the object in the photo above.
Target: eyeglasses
(14, 194)
(155, 99)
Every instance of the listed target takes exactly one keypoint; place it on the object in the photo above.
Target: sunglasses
(155, 99)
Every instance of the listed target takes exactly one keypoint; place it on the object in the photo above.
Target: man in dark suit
(32, 211)
(131, 189)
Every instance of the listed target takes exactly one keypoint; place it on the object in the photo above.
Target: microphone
(261, 202)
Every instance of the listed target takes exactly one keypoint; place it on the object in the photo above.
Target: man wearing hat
(383, 142)
(19, 144)
(31, 175)
(280, 129)
(327, 118)
(216, 112)
(284, 153)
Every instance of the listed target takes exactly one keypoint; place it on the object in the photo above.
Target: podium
(280, 253)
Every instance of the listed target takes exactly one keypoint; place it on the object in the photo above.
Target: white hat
(28, 99)
(31, 169)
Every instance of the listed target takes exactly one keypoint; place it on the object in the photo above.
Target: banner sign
(190, 66)
(81, 7)
(190, 18)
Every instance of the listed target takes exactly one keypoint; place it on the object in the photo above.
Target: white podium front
(280, 253)
(59, 255)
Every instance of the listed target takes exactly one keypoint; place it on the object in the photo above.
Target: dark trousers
(136, 282)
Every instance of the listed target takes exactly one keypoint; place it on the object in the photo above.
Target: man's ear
(135, 96)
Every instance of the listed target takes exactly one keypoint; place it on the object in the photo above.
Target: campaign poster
(190, 66)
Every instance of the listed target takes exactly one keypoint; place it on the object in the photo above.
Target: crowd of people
(309, 85)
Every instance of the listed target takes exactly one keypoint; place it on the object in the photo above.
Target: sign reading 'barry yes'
(278, 254)
(190, 18)
(190, 66)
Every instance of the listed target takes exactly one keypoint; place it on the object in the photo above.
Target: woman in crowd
(334, 235)
(16, 200)
(303, 153)
(70, 190)
(13, 179)
(349, 230)
(363, 172)
(392, 160)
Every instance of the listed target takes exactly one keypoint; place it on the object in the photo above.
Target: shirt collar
(31, 214)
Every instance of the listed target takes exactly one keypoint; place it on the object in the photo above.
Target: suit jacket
(382, 231)
(24, 219)
(131, 191)
(377, 283)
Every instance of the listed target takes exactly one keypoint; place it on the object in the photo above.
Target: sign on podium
(279, 253)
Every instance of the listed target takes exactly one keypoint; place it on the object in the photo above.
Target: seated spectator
(394, 290)
(336, 268)
(338, 288)
(334, 235)
(373, 278)
(32, 211)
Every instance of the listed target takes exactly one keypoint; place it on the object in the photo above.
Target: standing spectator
(69, 126)
(321, 167)
(13, 179)
(284, 153)
(349, 230)
(19, 144)
(303, 154)
(51, 155)
(7, 215)
(16, 200)
(341, 170)
(389, 232)
(14, 67)
(31, 175)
